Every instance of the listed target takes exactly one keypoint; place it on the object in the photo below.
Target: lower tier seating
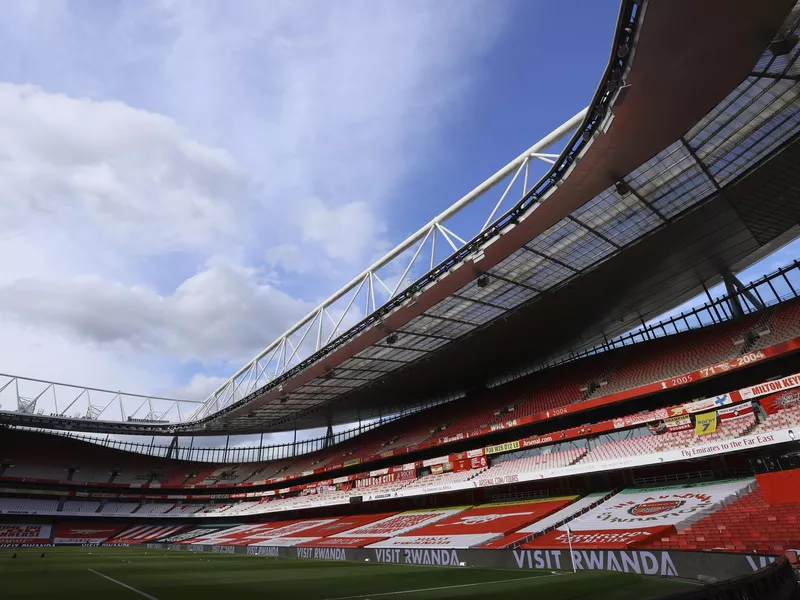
(747, 524)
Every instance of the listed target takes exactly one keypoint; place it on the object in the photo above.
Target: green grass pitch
(84, 573)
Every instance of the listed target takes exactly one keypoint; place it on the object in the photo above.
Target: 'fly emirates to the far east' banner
(636, 515)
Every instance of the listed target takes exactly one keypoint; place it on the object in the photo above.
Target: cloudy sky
(181, 180)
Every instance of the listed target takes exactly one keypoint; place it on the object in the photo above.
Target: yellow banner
(355, 461)
(507, 447)
(705, 423)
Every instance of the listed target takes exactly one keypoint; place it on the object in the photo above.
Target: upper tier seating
(784, 325)
(672, 356)
(748, 524)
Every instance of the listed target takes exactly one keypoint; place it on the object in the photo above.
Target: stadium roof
(656, 193)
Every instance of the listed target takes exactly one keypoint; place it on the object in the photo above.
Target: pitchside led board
(705, 423)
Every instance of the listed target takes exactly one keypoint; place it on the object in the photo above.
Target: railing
(771, 289)
(776, 581)
(228, 454)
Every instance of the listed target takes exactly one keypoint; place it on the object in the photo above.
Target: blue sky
(183, 179)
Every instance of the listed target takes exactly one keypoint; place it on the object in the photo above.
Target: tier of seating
(440, 479)
(747, 524)
(538, 462)
(119, 508)
(783, 419)
(598, 375)
(27, 506)
(80, 506)
(637, 516)
(729, 515)
(503, 469)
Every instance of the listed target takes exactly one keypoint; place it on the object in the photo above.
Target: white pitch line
(133, 589)
(433, 589)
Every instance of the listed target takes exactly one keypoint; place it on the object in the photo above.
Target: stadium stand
(478, 525)
(676, 355)
(550, 521)
(648, 443)
(80, 506)
(538, 462)
(579, 380)
(112, 508)
(142, 534)
(383, 529)
(437, 480)
(746, 524)
(155, 508)
(27, 506)
(636, 516)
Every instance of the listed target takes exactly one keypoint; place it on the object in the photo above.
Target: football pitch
(133, 573)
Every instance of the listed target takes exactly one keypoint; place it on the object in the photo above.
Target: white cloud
(220, 314)
(134, 175)
(159, 158)
(346, 233)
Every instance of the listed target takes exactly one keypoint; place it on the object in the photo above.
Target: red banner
(735, 412)
(781, 401)
(469, 464)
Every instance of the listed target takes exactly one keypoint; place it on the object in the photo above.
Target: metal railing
(227, 454)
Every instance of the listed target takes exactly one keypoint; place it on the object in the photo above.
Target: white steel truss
(50, 398)
(394, 272)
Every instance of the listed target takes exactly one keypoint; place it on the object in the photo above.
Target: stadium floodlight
(482, 281)
(623, 189)
(783, 46)
(391, 339)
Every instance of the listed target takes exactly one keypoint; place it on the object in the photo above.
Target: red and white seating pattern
(476, 526)
(747, 524)
(389, 527)
(635, 516)
(567, 513)
(783, 419)
(539, 462)
(438, 479)
(141, 534)
(784, 325)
